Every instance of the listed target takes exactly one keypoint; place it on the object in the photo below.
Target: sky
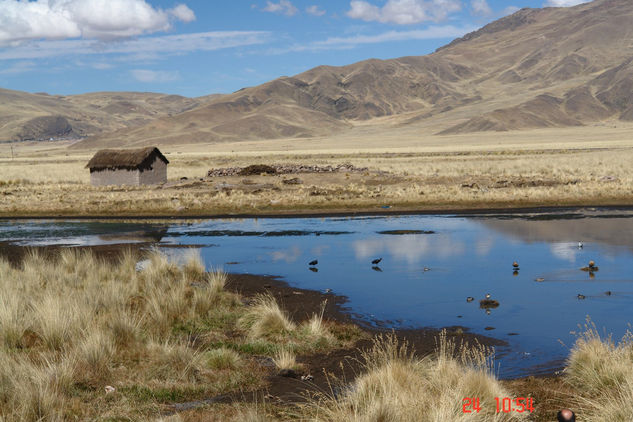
(200, 47)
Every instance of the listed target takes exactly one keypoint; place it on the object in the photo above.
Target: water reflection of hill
(614, 231)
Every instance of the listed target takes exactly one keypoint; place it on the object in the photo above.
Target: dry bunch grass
(400, 387)
(158, 333)
(265, 319)
(601, 371)
(285, 359)
(77, 323)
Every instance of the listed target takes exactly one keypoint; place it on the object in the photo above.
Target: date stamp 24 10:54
(504, 404)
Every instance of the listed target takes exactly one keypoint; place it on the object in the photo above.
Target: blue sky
(200, 47)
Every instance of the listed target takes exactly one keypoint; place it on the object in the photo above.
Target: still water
(430, 265)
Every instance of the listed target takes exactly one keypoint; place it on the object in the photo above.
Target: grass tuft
(265, 319)
(601, 371)
(400, 387)
(285, 359)
(222, 358)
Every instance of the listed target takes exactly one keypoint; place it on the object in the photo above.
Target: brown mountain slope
(41, 116)
(546, 67)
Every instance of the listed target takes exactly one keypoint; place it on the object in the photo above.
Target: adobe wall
(157, 175)
(114, 177)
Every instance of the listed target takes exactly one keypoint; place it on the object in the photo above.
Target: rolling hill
(25, 116)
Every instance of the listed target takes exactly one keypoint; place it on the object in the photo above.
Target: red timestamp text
(503, 404)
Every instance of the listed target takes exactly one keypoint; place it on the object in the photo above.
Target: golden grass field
(580, 166)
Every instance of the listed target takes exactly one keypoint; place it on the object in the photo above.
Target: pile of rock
(286, 169)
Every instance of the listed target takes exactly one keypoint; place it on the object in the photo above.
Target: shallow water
(463, 255)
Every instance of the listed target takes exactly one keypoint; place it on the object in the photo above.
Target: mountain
(550, 67)
(25, 116)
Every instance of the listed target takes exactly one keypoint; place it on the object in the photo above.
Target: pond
(430, 265)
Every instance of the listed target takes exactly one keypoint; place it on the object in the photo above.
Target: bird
(426, 269)
(580, 245)
(608, 293)
(328, 290)
(376, 261)
(539, 279)
(581, 297)
(515, 264)
(487, 295)
(312, 263)
(592, 264)
(470, 299)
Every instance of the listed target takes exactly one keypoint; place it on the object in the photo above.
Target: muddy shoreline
(625, 205)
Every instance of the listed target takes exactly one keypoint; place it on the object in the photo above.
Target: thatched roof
(129, 159)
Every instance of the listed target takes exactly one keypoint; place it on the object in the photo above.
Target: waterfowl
(608, 293)
(515, 264)
(581, 297)
(426, 269)
(312, 263)
(539, 279)
(580, 245)
(488, 303)
(470, 299)
(591, 267)
(376, 261)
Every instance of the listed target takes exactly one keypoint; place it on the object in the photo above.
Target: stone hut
(143, 166)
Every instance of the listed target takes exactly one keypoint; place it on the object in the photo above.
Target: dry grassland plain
(546, 167)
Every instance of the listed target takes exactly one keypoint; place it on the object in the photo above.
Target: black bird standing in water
(376, 261)
(312, 263)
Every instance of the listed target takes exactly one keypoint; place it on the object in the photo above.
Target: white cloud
(315, 11)
(510, 10)
(284, 6)
(183, 13)
(145, 46)
(102, 19)
(480, 7)
(404, 12)
(431, 32)
(565, 3)
(19, 67)
(101, 66)
(344, 43)
(154, 76)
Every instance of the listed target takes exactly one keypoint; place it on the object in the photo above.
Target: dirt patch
(257, 169)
